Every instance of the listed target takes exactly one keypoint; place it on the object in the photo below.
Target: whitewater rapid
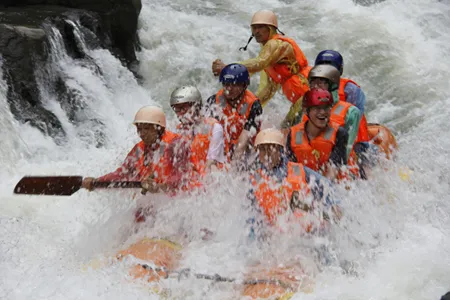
(395, 232)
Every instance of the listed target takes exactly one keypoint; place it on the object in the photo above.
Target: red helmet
(317, 97)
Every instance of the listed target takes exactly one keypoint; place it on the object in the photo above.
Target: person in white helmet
(280, 186)
(151, 161)
(205, 136)
(281, 64)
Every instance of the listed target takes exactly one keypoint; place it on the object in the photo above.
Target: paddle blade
(49, 185)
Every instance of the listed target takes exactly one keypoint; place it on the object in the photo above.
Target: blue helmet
(330, 57)
(234, 73)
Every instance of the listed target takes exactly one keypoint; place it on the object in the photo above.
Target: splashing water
(394, 234)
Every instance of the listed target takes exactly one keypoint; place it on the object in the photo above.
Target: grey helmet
(325, 71)
(186, 94)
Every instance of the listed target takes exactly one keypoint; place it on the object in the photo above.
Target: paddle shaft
(116, 184)
(217, 277)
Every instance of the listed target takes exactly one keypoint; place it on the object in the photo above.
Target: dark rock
(20, 47)
(119, 19)
(34, 32)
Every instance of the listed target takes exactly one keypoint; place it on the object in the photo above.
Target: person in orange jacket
(349, 91)
(237, 109)
(317, 142)
(280, 186)
(345, 114)
(151, 161)
(204, 136)
(281, 63)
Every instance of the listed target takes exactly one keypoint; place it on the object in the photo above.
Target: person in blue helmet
(349, 91)
(237, 109)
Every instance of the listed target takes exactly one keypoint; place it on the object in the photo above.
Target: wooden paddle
(63, 185)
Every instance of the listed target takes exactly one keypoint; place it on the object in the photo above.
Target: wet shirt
(272, 52)
(355, 95)
(216, 150)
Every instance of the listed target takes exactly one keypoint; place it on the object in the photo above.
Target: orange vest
(145, 166)
(233, 120)
(337, 115)
(283, 74)
(363, 131)
(274, 196)
(199, 145)
(316, 153)
(338, 112)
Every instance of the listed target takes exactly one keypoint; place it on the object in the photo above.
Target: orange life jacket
(338, 112)
(200, 145)
(146, 166)
(293, 86)
(363, 131)
(198, 151)
(233, 120)
(337, 116)
(316, 153)
(274, 194)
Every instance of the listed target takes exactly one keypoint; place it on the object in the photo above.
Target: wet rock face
(25, 48)
(118, 18)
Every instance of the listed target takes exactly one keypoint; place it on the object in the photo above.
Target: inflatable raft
(381, 136)
(158, 260)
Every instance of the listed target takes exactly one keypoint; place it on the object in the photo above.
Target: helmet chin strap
(251, 37)
(245, 47)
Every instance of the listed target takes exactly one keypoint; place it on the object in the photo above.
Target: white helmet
(186, 94)
(325, 71)
(265, 17)
(150, 115)
(270, 136)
